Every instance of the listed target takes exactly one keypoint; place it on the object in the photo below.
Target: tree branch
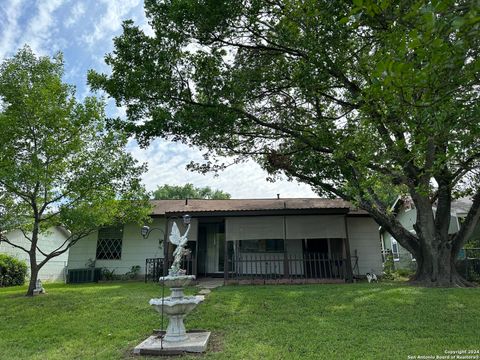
(469, 224)
(5, 239)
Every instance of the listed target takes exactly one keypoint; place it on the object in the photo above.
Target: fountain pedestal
(176, 306)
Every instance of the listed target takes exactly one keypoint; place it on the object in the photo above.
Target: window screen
(269, 245)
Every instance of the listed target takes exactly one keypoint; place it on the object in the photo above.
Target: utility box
(78, 276)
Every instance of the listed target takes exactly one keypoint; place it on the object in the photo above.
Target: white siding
(315, 226)
(365, 239)
(53, 270)
(135, 249)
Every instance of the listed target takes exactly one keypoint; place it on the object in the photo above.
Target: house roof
(459, 206)
(166, 207)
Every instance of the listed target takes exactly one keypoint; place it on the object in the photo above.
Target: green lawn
(358, 321)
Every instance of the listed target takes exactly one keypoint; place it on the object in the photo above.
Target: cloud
(10, 30)
(166, 165)
(58, 25)
(111, 21)
(77, 11)
(41, 29)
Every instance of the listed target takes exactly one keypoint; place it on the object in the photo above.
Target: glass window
(109, 244)
(395, 253)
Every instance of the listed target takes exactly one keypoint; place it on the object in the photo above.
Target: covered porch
(268, 248)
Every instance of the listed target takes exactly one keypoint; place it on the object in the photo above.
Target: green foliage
(59, 163)
(405, 273)
(388, 267)
(12, 271)
(134, 272)
(188, 191)
(108, 274)
(362, 100)
(90, 263)
(338, 95)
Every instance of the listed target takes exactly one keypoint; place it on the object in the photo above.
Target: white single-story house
(406, 214)
(304, 238)
(53, 270)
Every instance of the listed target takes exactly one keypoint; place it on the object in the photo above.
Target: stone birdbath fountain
(176, 339)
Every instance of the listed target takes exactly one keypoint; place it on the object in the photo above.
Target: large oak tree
(359, 100)
(59, 165)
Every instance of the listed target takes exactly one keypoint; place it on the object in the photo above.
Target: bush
(133, 273)
(108, 274)
(404, 272)
(388, 267)
(12, 271)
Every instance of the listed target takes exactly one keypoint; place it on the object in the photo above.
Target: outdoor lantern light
(186, 219)
(145, 230)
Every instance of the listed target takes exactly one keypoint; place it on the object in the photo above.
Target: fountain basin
(177, 281)
(176, 306)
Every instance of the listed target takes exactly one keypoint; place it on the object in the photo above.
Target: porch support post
(195, 259)
(225, 261)
(286, 270)
(346, 243)
(166, 249)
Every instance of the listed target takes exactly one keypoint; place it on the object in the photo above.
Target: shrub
(12, 271)
(404, 272)
(388, 267)
(133, 273)
(108, 274)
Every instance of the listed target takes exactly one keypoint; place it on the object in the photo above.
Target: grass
(357, 321)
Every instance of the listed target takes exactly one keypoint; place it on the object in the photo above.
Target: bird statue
(180, 240)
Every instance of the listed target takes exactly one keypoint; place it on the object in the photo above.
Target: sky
(83, 31)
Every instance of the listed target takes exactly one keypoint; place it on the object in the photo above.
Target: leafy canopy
(188, 191)
(59, 165)
(360, 100)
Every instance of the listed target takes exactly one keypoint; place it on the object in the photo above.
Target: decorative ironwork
(156, 267)
(266, 268)
(109, 244)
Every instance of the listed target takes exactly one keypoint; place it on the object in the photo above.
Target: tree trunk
(436, 258)
(33, 256)
(437, 269)
(33, 278)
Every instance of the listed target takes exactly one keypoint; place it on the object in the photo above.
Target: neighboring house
(282, 237)
(405, 212)
(53, 270)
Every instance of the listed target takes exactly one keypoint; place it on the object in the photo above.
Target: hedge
(12, 271)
